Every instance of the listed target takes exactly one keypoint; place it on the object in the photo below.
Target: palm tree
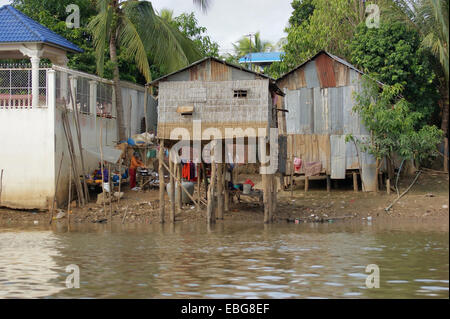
(245, 45)
(134, 27)
(166, 15)
(430, 19)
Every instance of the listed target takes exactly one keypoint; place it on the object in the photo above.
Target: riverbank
(427, 200)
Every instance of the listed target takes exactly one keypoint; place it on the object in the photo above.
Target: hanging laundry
(313, 168)
(297, 164)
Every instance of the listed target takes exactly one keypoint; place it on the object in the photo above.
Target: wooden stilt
(220, 208)
(226, 191)
(211, 194)
(178, 192)
(266, 195)
(70, 194)
(388, 186)
(273, 203)
(161, 182)
(205, 179)
(172, 188)
(355, 182)
(328, 183)
(306, 183)
(111, 185)
(198, 187)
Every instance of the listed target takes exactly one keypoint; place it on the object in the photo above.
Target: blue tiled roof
(17, 27)
(261, 57)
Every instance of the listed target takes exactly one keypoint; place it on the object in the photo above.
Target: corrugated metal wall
(322, 105)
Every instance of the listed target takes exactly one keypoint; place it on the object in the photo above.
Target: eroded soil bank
(428, 200)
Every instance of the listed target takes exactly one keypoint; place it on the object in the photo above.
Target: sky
(228, 20)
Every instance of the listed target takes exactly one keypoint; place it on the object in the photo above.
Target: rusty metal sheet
(324, 66)
(311, 78)
(338, 153)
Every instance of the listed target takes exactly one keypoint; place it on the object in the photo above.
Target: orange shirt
(135, 163)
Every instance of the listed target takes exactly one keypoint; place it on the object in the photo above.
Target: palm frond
(100, 27)
(203, 4)
(129, 38)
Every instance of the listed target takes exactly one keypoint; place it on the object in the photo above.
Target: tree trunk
(118, 93)
(444, 123)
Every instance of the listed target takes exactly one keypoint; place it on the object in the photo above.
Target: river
(226, 260)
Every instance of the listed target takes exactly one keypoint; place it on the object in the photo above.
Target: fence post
(51, 89)
(35, 81)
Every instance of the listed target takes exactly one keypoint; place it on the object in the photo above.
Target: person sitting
(135, 163)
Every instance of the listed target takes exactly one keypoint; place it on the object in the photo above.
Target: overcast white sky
(228, 20)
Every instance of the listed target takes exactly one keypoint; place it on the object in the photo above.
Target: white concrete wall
(32, 142)
(27, 145)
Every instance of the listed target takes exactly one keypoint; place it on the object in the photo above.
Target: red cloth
(132, 178)
(249, 181)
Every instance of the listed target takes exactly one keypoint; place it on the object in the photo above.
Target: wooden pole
(172, 188)
(56, 188)
(110, 191)
(328, 183)
(266, 195)
(355, 182)
(161, 181)
(80, 147)
(205, 179)
(198, 187)
(211, 194)
(70, 195)
(388, 186)
(220, 197)
(306, 183)
(292, 166)
(274, 196)
(227, 192)
(178, 198)
(120, 178)
(102, 167)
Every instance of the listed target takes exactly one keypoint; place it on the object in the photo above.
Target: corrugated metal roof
(334, 57)
(261, 57)
(272, 81)
(17, 27)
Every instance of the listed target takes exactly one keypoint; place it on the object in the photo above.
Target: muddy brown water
(226, 260)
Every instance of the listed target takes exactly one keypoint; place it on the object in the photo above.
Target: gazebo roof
(16, 27)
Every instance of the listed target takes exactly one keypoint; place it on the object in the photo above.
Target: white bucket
(106, 187)
(247, 188)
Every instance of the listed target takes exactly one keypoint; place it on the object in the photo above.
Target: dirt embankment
(428, 199)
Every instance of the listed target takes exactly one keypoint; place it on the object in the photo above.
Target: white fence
(32, 138)
(16, 86)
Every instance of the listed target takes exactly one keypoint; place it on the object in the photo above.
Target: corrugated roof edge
(334, 57)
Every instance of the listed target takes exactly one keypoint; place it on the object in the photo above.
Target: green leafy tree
(430, 19)
(393, 54)
(392, 125)
(303, 9)
(188, 25)
(330, 26)
(134, 27)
